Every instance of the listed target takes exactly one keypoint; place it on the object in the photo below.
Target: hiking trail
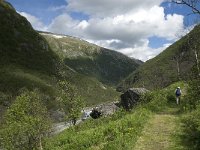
(157, 133)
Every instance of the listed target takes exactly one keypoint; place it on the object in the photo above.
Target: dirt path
(157, 134)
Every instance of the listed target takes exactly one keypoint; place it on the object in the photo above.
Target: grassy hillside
(20, 45)
(107, 66)
(26, 59)
(162, 70)
(30, 60)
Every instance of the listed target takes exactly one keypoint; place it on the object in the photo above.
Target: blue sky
(139, 29)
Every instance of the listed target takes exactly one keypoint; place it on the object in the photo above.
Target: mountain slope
(21, 45)
(163, 69)
(28, 60)
(107, 66)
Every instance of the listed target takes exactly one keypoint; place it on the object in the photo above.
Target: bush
(192, 99)
(191, 130)
(154, 101)
(26, 123)
(171, 98)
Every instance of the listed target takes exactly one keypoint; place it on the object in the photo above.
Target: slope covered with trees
(173, 64)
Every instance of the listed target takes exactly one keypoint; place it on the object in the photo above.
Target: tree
(192, 44)
(193, 4)
(26, 123)
(71, 102)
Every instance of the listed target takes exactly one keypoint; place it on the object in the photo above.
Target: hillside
(28, 60)
(107, 66)
(173, 64)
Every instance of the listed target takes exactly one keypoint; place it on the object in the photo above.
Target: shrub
(171, 98)
(26, 123)
(191, 130)
(121, 133)
(192, 99)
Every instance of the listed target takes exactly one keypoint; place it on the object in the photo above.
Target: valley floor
(158, 133)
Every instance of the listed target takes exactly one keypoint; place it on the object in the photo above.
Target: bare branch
(193, 4)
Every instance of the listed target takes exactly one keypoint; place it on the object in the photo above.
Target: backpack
(178, 92)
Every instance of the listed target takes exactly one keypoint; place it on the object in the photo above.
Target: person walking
(178, 95)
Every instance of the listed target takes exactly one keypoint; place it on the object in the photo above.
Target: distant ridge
(108, 66)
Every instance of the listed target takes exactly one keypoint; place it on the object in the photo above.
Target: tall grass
(119, 131)
(115, 133)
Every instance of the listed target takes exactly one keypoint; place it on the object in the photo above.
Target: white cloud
(110, 7)
(64, 24)
(133, 27)
(143, 52)
(125, 26)
(35, 22)
(129, 33)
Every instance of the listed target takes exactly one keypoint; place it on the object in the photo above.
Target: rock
(108, 108)
(95, 113)
(131, 97)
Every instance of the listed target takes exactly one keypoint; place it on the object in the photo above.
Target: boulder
(131, 97)
(95, 113)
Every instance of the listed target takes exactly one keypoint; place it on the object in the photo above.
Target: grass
(102, 134)
(123, 129)
(158, 132)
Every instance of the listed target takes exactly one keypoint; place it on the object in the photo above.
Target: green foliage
(119, 131)
(189, 134)
(156, 101)
(71, 102)
(191, 130)
(159, 100)
(161, 71)
(26, 123)
(113, 133)
(192, 99)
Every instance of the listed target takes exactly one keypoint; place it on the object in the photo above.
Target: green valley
(59, 92)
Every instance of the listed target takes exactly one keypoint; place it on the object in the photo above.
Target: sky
(137, 28)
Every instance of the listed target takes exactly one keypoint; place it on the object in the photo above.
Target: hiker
(178, 95)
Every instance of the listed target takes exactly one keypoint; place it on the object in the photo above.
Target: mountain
(173, 64)
(108, 66)
(26, 59)
(30, 60)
